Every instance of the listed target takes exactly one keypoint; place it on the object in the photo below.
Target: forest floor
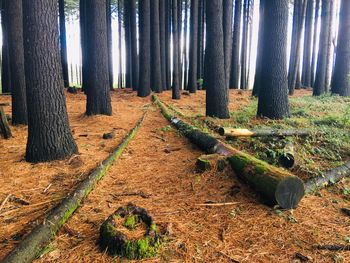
(161, 164)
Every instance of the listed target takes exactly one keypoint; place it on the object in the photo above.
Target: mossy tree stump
(211, 161)
(118, 244)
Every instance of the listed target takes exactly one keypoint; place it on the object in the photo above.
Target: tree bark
(184, 50)
(4, 126)
(273, 95)
(49, 135)
(16, 58)
(319, 87)
(133, 32)
(341, 80)
(128, 57)
(310, 13)
(162, 33)
(314, 41)
(232, 132)
(144, 88)
(200, 50)
(259, 64)
(110, 43)
(83, 41)
(215, 78)
(227, 27)
(167, 43)
(192, 72)
(156, 68)
(6, 84)
(176, 51)
(244, 45)
(120, 46)
(98, 85)
(330, 49)
(63, 43)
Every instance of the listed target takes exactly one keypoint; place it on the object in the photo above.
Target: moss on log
(331, 177)
(231, 132)
(210, 161)
(4, 125)
(28, 249)
(117, 243)
(276, 185)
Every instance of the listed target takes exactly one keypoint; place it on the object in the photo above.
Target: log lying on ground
(31, 246)
(4, 125)
(231, 132)
(331, 177)
(276, 185)
(287, 159)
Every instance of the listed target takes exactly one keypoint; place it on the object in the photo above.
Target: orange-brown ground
(161, 163)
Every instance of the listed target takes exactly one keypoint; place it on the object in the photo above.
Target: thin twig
(5, 201)
(217, 204)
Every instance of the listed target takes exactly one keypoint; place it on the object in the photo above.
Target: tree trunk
(227, 27)
(162, 32)
(167, 43)
(176, 51)
(215, 78)
(232, 132)
(273, 95)
(200, 50)
(192, 72)
(49, 135)
(110, 43)
(128, 57)
(83, 41)
(63, 43)
(133, 32)
(184, 50)
(156, 68)
(98, 85)
(6, 84)
(144, 88)
(120, 46)
(314, 41)
(306, 75)
(244, 45)
(4, 126)
(330, 49)
(320, 80)
(340, 82)
(16, 55)
(259, 64)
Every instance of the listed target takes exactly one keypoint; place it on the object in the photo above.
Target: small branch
(218, 204)
(5, 201)
(334, 247)
(140, 193)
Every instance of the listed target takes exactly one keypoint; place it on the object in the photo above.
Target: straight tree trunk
(330, 49)
(273, 95)
(63, 43)
(244, 45)
(144, 88)
(340, 82)
(192, 73)
(156, 69)
(49, 135)
(180, 32)
(215, 78)
(167, 43)
(235, 61)
(162, 32)
(127, 35)
(184, 51)
(110, 44)
(6, 83)
(314, 41)
(133, 32)
(200, 49)
(306, 75)
(82, 21)
(319, 87)
(98, 85)
(227, 27)
(16, 55)
(259, 64)
(176, 51)
(120, 29)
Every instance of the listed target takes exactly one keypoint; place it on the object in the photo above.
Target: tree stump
(4, 125)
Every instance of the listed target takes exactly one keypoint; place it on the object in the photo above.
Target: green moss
(238, 163)
(153, 227)
(142, 248)
(131, 222)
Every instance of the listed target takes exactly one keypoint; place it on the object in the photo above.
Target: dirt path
(247, 231)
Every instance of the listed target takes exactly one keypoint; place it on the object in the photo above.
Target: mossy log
(276, 185)
(286, 158)
(32, 245)
(211, 161)
(331, 177)
(117, 243)
(4, 125)
(231, 132)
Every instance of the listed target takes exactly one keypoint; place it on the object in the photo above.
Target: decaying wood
(276, 185)
(231, 132)
(41, 236)
(4, 125)
(210, 161)
(287, 159)
(331, 177)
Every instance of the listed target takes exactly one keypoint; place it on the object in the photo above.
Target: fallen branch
(42, 235)
(331, 177)
(231, 132)
(334, 247)
(140, 193)
(218, 204)
(276, 185)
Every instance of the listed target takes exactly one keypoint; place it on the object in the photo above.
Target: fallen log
(4, 125)
(31, 246)
(276, 185)
(232, 132)
(331, 177)
(286, 159)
